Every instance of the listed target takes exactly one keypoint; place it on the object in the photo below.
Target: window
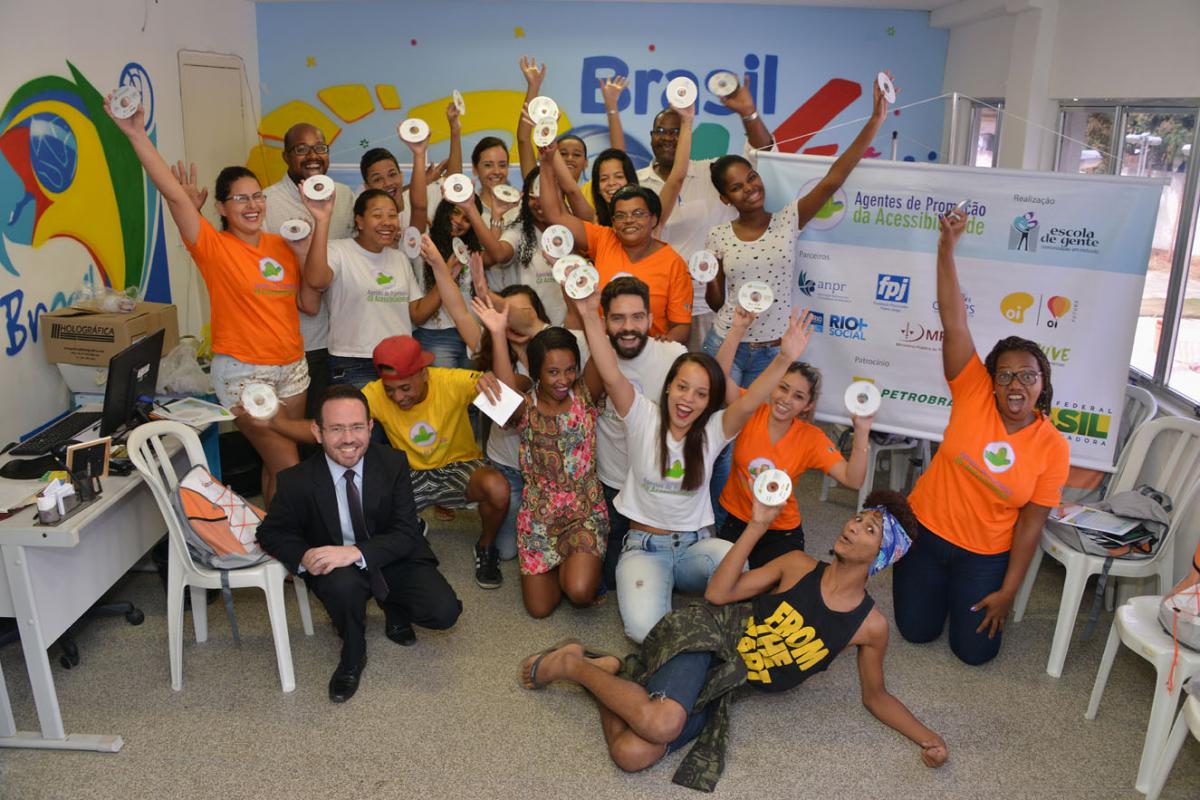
(984, 141)
(1184, 369)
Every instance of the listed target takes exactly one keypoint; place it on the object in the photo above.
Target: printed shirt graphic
(982, 475)
(663, 271)
(782, 650)
(252, 292)
(802, 448)
(368, 298)
(436, 431)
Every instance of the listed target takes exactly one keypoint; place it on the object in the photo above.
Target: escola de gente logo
(271, 269)
(676, 470)
(999, 456)
(422, 434)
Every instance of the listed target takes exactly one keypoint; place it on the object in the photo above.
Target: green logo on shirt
(383, 279)
(422, 434)
(271, 269)
(999, 456)
(676, 470)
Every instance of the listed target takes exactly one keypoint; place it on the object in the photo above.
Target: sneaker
(487, 567)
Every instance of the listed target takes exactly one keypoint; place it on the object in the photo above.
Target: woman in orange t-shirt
(253, 281)
(780, 435)
(985, 497)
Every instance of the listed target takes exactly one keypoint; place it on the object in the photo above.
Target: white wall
(40, 36)
(977, 57)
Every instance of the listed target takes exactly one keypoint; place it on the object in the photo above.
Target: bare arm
(714, 290)
(593, 381)
(317, 272)
(957, 345)
(729, 583)
(1027, 535)
(552, 204)
(852, 473)
(576, 200)
(534, 75)
(611, 89)
(791, 345)
(741, 102)
(496, 321)
(673, 185)
(742, 320)
(450, 295)
(618, 387)
(678, 332)
(418, 194)
(495, 250)
(454, 162)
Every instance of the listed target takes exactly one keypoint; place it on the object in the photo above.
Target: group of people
(627, 467)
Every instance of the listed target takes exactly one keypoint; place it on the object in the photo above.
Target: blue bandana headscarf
(895, 541)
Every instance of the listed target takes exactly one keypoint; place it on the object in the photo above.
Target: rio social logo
(892, 288)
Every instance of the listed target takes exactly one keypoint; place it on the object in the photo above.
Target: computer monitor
(132, 374)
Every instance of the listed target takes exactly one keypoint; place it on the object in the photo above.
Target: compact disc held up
(260, 401)
(723, 83)
(565, 265)
(461, 251)
(459, 103)
(413, 130)
(862, 398)
(772, 487)
(557, 241)
(295, 229)
(506, 194)
(411, 242)
(542, 106)
(125, 101)
(457, 188)
(682, 92)
(544, 131)
(581, 281)
(755, 296)
(960, 209)
(886, 86)
(318, 187)
(703, 266)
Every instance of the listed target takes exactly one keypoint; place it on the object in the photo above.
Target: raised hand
(452, 117)
(795, 338)
(741, 102)
(588, 305)
(534, 74)
(435, 171)
(321, 210)
(742, 319)
(951, 227)
(879, 103)
(489, 386)
(131, 126)
(432, 257)
(611, 89)
(417, 148)
(187, 179)
(493, 318)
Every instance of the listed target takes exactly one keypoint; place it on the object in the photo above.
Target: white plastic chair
(1189, 718)
(1136, 625)
(1174, 444)
(900, 453)
(150, 453)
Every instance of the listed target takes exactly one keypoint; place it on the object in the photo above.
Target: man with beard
(644, 361)
(306, 154)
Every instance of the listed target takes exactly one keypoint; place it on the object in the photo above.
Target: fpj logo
(892, 289)
(920, 337)
(1014, 306)
(759, 465)
(1080, 424)
(1023, 235)
(1055, 310)
(999, 456)
(825, 290)
(423, 435)
(271, 269)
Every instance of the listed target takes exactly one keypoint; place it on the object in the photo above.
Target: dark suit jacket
(304, 512)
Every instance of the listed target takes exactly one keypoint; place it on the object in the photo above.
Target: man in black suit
(345, 520)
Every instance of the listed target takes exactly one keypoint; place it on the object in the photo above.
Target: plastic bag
(106, 300)
(180, 372)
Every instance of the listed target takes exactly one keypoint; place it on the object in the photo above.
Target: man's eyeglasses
(257, 197)
(664, 131)
(621, 216)
(342, 430)
(1027, 377)
(304, 149)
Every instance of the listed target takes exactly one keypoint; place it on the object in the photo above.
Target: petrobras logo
(891, 291)
(918, 398)
(918, 336)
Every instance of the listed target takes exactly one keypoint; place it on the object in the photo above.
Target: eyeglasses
(342, 430)
(664, 131)
(304, 149)
(1027, 377)
(621, 216)
(257, 197)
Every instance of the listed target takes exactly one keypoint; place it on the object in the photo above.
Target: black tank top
(793, 635)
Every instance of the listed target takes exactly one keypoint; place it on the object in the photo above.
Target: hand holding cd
(884, 93)
(862, 399)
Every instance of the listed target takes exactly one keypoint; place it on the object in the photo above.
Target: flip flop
(598, 653)
(537, 660)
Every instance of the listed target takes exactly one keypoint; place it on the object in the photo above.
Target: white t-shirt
(647, 373)
(771, 258)
(368, 298)
(649, 497)
(537, 274)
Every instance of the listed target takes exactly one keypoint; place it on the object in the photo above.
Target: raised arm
(179, 201)
(618, 387)
(791, 345)
(742, 320)
(957, 345)
(495, 250)
(454, 161)
(741, 103)
(852, 473)
(449, 294)
(552, 204)
(611, 89)
(808, 205)
(418, 193)
(495, 319)
(576, 200)
(534, 74)
(679, 168)
(729, 583)
(317, 272)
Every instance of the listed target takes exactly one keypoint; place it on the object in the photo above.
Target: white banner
(1056, 258)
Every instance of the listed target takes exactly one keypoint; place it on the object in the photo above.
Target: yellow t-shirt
(436, 431)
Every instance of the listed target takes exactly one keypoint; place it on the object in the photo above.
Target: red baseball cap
(402, 354)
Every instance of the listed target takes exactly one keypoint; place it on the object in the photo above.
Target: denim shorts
(230, 376)
(681, 679)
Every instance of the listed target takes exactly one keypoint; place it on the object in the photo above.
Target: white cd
(544, 131)
(461, 251)
(459, 103)
(703, 266)
(295, 229)
(681, 92)
(723, 83)
(260, 401)
(565, 265)
(772, 487)
(125, 101)
(960, 209)
(457, 188)
(581, 282)
(318, 187)
(411, 242)
(557, 241)
(506, 194)
(862, 398)
(755, 296)
(413, 130)
(542, 106)
(886, 86)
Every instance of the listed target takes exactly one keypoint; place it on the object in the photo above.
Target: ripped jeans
(653, 565)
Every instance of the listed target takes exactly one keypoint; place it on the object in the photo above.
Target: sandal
(537, 660)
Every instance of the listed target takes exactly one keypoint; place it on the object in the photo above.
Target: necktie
(358, 522)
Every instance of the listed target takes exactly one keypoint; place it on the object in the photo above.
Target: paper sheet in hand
(500, 412)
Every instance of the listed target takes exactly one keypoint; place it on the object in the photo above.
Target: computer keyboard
(57, 434)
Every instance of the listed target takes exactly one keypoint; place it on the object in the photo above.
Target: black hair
(897, 505)
(552, 338)
(632, 192)
(295, 129)
(693, 440)
(483, 361)
(373, 157)
(576, 138)
(1017, 344)
(718, 168)
(341, 391)
(486, 143)
(364, 199)
(531, 242)
(813, 376)
(626, 284)
(603, 212)
(443, 239)
(225, 181)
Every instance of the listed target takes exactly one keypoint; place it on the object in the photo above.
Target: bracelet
(751, 117)
(613, 111)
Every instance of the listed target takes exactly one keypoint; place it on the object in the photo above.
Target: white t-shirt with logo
(537, 274)
(368, 298)
(648, 496)
(647, 373)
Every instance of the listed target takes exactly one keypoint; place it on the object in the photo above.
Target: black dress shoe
(402, 634)
(344, 682)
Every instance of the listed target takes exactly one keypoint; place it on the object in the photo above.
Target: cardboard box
(82, 336)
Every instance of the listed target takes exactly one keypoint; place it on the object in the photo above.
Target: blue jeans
(356, 372)
(682, 679)
(506, 537)
(653, 565)
(936, 580)
(448, 348)
(618, 526)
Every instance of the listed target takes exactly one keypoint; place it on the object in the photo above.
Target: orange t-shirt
(983, 475)
(663, 271)
(802, 448)
(252, 291)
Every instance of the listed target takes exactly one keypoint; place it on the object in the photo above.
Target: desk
(52, 575)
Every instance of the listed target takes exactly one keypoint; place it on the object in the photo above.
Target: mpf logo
(1023, 236)
(892, 288)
